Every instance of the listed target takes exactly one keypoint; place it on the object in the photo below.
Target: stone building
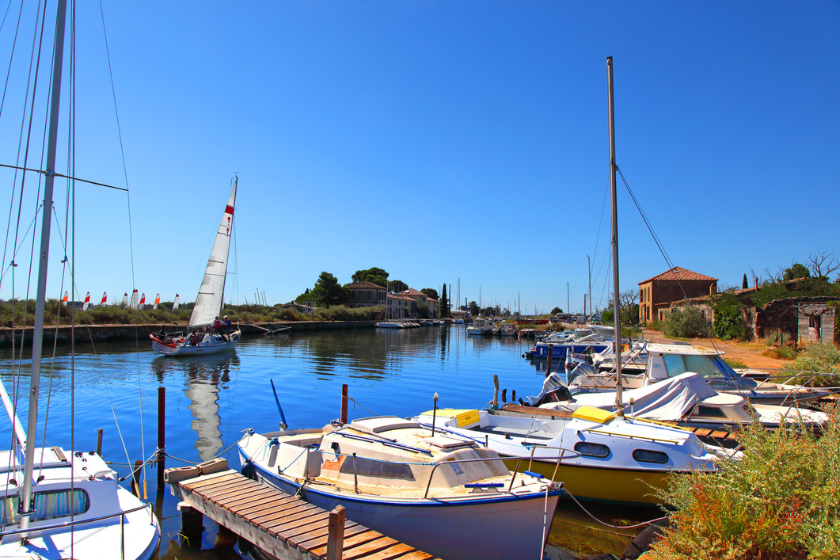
(366, 294)
(676, 284)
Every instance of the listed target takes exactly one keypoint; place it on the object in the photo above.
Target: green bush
(686, 321)
(781, 500)
(777, 337)
(823, 358)
(735, 363)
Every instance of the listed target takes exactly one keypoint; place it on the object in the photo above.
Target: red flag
(104, 298)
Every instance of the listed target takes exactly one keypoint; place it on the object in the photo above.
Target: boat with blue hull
(434, 491)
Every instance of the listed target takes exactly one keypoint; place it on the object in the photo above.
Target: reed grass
(781, 500)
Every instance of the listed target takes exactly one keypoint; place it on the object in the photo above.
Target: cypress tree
(745, 283)
(444, 303)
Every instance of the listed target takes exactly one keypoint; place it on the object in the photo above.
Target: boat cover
(666, 400)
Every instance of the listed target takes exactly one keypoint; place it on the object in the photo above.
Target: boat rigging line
(62, 176)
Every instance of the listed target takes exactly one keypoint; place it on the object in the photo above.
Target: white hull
(446, 528)
(91, 541)
(205, 347)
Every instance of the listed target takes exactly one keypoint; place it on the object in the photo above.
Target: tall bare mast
(614, 220)
(41, 295)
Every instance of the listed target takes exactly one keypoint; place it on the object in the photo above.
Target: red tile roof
(365, 286)
(678, 273)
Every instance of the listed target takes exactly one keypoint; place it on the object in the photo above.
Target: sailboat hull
(204, 347)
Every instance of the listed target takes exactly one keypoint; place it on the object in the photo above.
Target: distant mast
(614, 220)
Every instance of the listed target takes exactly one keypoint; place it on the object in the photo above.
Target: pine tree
(745, 283)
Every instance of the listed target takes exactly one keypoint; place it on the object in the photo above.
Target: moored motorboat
(602, 456)
(663, 361)
(435, 491)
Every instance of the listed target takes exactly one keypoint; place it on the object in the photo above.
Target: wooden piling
(99, 442)
(192, 523)
(335, 541)
(344, 399)
(161, 453)
(135, 475)
(548, 360)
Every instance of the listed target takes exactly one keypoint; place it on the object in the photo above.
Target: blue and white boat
(577, 341)
(441, 493)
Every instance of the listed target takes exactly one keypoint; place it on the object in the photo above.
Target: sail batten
(208, 303)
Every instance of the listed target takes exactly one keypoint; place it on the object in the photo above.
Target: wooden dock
(284, 526)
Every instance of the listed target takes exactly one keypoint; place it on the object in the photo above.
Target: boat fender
(274, 446)
(248, 470)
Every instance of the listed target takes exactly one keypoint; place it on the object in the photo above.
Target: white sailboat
(201, 338)
(70, 506)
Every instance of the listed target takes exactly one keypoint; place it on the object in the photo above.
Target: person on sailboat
(194, 340)
(226, 326)
(217, 325)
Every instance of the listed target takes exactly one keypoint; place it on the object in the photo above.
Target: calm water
(210, 400)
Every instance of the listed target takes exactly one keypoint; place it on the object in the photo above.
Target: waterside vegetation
(781, 500)
(19, 313)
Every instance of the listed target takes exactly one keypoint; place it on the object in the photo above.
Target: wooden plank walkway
(284, 526)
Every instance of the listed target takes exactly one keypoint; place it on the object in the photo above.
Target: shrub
(823, 358)
(779, 501)
(777, 337)
(686, 321)
(655, 325)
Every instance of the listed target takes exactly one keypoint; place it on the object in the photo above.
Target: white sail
(134, 304)
(125, 300)
(177, 303)
(208, 303)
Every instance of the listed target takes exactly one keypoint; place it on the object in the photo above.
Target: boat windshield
(707, 366)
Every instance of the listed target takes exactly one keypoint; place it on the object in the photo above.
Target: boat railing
(486, 459)
(563, 454)
(55, 526)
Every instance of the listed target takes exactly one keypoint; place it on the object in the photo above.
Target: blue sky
(441, 140)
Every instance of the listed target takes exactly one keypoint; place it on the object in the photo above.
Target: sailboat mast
(614, 220)
(41, 294)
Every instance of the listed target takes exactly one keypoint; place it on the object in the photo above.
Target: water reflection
(204, 376)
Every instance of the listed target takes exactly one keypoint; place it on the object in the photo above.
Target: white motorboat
(602, 456)
(61, 504)
(685, 400)
(208, 303)
(480, 327)
(665, 361)
(389, 325)
(445, 494)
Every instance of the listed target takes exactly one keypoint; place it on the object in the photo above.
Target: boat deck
(284, 526)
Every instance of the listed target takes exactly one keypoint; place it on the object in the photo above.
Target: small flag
(157, 301)
(87, 302)
(104, 298)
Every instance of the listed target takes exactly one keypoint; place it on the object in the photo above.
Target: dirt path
(751, 353)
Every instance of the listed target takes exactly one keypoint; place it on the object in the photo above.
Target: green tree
(431, 292)
(745, 284)
(556, 310)
(473, 307)
(422, 309)
(444, 303)
(375, 275)
(328, 291)
(795, 271)
(397, 286)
